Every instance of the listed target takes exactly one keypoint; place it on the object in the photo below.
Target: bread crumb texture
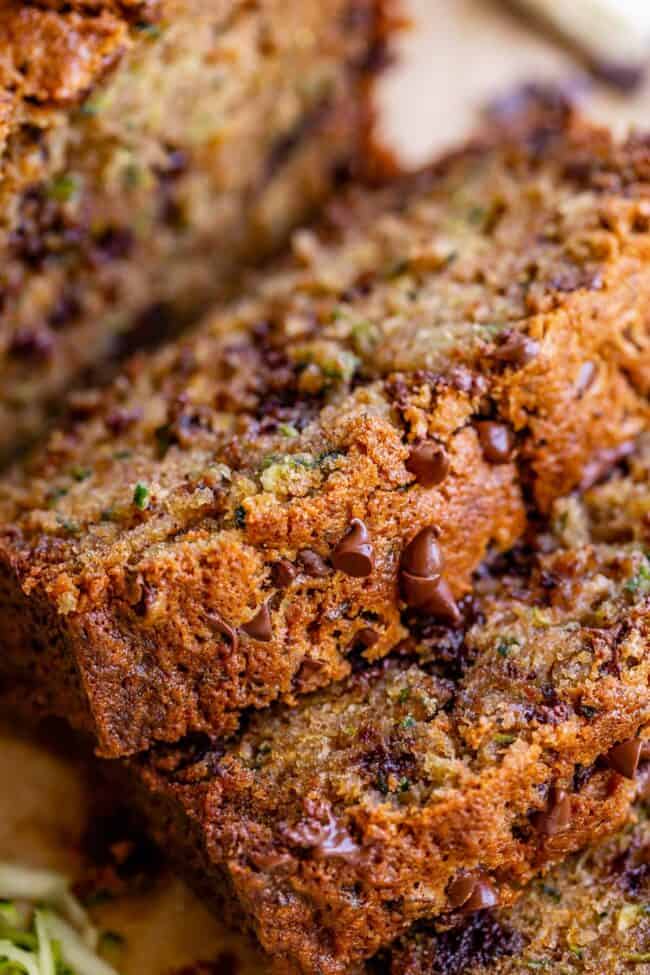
(242, 512)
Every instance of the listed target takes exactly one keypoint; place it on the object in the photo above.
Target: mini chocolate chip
(312, 563)
(429, 464)
(441, 604)
(471, 892)
(557, 816)
(460, 890)
(483, 896)
(259, 627)
(624, 758)
(354, 553)
(367, 636)
(517, 349)
(222, 627)
(417, 591)
(496, 441)
(421, 585)
(422, 556)
(283, 572)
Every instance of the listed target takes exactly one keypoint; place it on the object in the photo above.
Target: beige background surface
(459, 53)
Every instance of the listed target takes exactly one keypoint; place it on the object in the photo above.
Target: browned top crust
(437, 782)
(52, 54)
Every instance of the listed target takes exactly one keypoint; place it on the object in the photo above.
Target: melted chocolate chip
(440, 604)
(354, 554)
(497, 441)
(483, 896)
(322, 834)
(259, 627)
(224, 629)
(624, 758)
(422, 557)
(460, 890)
(383, 759)
(471, 892)
(416, 591)
(429, 464)
(557, 816)
(422, 587)
(312, 563)
(283, 572)
(367, 637)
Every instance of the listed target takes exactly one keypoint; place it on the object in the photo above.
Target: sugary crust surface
(178, 547)
(473, 757)
(591, 914)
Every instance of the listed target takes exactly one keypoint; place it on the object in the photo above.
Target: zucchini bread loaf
(437, 781)
(241, 511)
(590, 915)
(147, 148)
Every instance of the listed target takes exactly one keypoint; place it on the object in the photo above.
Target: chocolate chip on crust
(354, 553)
(259, 627)
(625, 757)
(497, 441)
(429, 464)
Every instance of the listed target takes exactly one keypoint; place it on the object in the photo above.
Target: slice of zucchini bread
(438, 781)
(146, 149)
(242, 510)
(590, 915)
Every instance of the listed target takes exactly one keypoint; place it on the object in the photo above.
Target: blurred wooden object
(462, 53)
(613, 35)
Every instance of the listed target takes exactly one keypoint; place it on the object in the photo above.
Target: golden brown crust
(489, 310)
(474, 758)
(53, 58)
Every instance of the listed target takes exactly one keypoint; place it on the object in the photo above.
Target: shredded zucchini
(44, 930)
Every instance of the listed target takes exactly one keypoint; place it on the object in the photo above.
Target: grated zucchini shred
(44, 930)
